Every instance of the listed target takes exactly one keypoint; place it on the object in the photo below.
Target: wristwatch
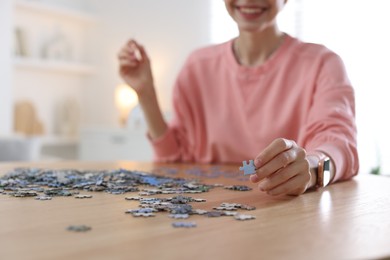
(323, 172)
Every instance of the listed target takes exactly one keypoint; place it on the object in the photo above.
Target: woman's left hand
(282, 169)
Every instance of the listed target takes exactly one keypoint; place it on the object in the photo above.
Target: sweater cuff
(165, 147)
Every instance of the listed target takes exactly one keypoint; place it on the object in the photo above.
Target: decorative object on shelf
(20, 42)
(57, 46)
(67, 118)
(125, 100)
(54, 66)
(26, 120)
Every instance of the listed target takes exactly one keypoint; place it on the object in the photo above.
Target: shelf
(54, 10)
(54, 66)
(53, 140)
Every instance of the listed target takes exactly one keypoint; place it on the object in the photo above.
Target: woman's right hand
(134, 67)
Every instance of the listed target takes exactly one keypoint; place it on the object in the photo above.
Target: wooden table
(349, 220)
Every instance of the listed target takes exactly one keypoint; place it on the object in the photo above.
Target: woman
(262, 95)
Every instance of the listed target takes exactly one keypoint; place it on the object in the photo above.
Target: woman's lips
(250, 13)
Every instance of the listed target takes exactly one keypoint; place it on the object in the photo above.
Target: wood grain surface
(349, 220)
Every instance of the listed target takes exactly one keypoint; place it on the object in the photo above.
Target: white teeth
(250, 10)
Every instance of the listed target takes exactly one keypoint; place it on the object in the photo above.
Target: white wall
(5, 69)
(168, 29)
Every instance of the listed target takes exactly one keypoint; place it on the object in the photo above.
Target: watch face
(326, 173)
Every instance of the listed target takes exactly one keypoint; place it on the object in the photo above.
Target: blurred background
(61, 97)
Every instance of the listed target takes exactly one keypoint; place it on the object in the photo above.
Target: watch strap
(322, 166)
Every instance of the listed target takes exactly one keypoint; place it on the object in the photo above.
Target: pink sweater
(225, 113)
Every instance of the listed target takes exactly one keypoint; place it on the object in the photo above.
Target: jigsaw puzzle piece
(248, 168)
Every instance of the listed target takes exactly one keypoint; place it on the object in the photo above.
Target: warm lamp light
(125, 100)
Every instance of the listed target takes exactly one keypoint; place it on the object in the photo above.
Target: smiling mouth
(251, 12)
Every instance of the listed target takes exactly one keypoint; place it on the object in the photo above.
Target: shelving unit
(53, 65)
(51, 12)
(56, 140)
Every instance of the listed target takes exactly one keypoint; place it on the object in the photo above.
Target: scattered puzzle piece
(215, 214)
(146, 215)
(133, 198)
(43, 198)
(83, 196)
(244, 217)
(184, 224)
(141, 211)
(199, 211)
(79, 228)
(238, 188)
(248, 168)
(179, 216)
(230, 213)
